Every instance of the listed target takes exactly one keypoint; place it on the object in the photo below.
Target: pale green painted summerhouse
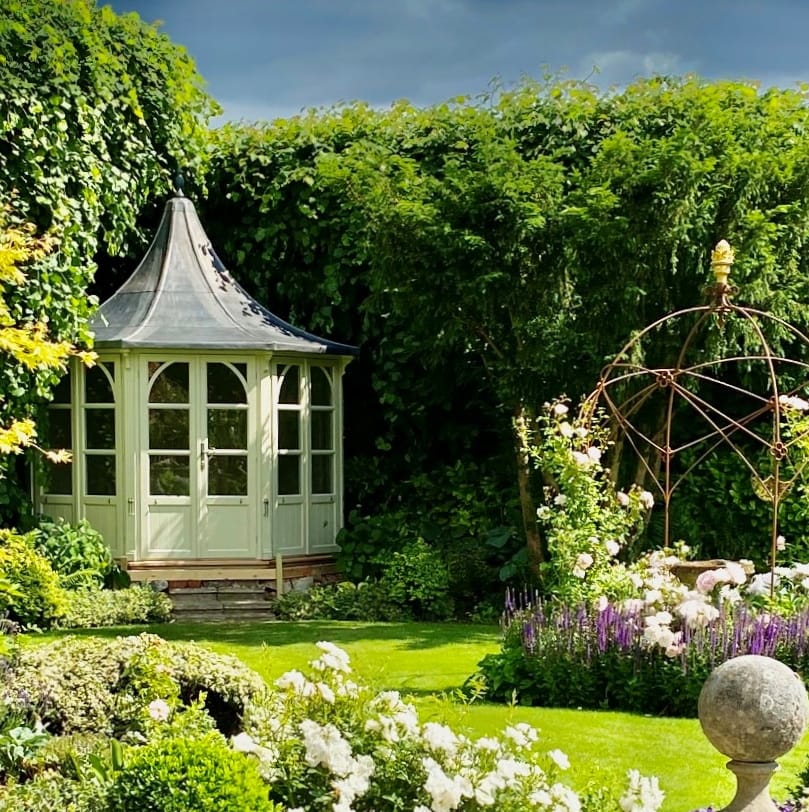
(209, 432)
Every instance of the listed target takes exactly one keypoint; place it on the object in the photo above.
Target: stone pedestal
(753, 709)
(752, 787)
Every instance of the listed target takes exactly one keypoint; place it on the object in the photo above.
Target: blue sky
(268, 58)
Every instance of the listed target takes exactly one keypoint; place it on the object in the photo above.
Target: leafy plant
(97, 111)
(323, 741)
(416, 577)
(366, 601)
(37, 598)
(179, 774)
(77, 552)
(50, 791)
(577, 656)
(103, 686)
(586, 521)
(19, 745)
(93, 607)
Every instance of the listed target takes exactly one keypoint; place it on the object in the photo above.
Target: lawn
(430, 661)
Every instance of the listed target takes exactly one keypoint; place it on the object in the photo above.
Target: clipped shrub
(37, 598)
(77, 552)
(178, 775)
(92, 607)
(52, 791)
(104, 686)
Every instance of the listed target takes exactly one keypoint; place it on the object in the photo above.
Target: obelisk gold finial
(721, 262)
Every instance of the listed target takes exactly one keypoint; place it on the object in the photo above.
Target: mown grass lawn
(430, 662)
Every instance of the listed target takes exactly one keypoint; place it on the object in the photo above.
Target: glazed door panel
(196, 466)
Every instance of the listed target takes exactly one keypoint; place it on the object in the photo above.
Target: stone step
(223, 616)
(238, 592)
(244, 603)
(191, 602)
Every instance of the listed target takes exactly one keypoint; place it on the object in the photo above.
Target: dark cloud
(264, 58)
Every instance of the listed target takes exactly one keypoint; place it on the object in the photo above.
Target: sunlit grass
(431, 662)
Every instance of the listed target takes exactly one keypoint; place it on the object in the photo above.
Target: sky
(265, 59)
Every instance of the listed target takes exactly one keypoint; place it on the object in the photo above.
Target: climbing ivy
(97, 112)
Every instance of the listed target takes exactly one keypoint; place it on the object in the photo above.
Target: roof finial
(179, 182)
(721, 260)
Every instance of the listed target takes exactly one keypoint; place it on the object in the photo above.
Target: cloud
(270, 57)
(622, 66)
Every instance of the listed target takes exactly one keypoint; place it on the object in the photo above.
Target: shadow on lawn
(287, 633)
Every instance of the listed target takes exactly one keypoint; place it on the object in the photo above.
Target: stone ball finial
(753, 708)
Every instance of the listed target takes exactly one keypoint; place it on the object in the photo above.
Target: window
(305, 394)
(60, 436)
(227, 429)
(169, 429)
(99, 430)
(289, 430)
(321, 434)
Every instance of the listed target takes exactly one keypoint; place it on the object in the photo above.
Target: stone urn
(688, 571)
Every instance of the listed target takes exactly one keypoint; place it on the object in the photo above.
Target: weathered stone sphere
(753, 708)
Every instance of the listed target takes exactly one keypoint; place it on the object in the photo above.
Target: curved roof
(181, 296)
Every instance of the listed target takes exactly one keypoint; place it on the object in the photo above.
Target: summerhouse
(209, 431)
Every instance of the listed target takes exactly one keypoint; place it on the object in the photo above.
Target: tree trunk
(528, 508)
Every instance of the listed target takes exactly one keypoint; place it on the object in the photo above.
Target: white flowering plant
(325, 742)
(586, 521)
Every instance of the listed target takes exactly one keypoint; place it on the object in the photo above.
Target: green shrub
(414, 584)
(103, 686)
(461, 512)
(52, 791)
(68, 754)
(417, 577)
(92, 607)
(77, 552)
(367, 541)
(38, 599)
(179, 775)
(366, 601)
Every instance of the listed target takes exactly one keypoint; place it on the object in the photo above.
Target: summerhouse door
(196, 460)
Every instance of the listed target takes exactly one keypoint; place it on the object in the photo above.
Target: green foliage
(717, 513)
(461, 512)
(18, 746)
(77, 552)
(51, 791)
(417, 578)
(104, 686)
(93, 607)
(647, 682)
(586, 521)
(479, 251)
(365, 601)
(177, 775)
(97, 112)
(367, 541)
(37, 598)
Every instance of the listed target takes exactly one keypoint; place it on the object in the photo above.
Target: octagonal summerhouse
(207, 438)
